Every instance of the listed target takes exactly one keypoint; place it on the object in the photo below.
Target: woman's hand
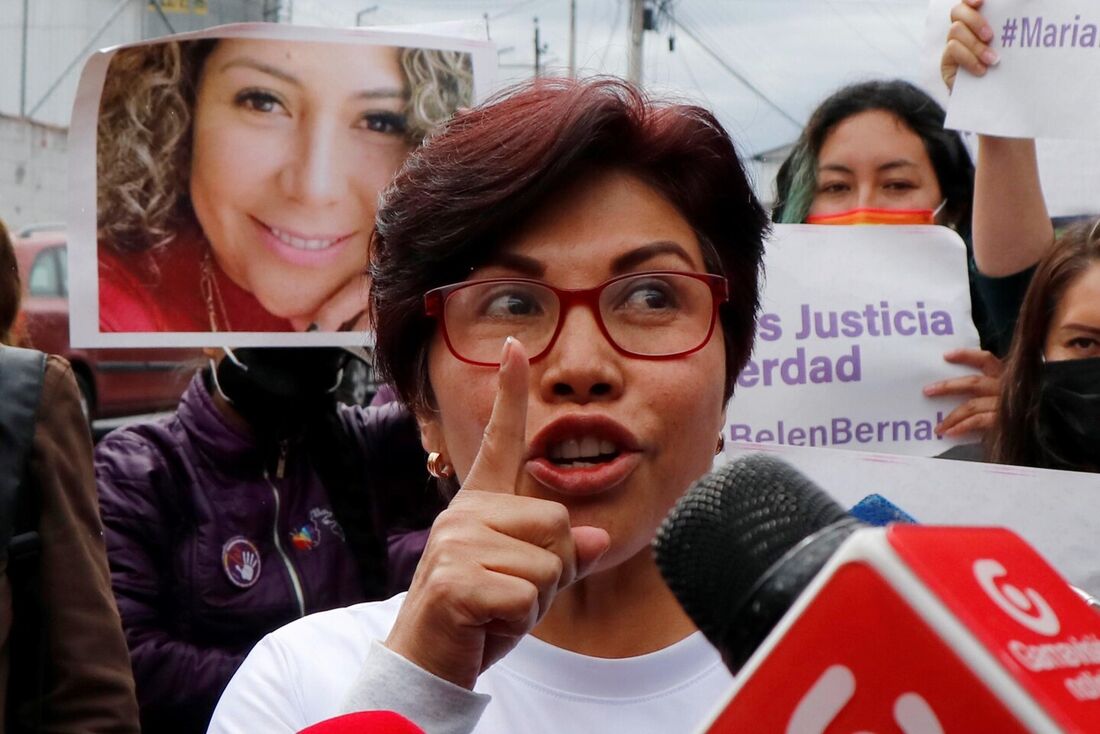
(494, 560)
(967, 43)
(1011, 225)
(979, 412)
(345, 310)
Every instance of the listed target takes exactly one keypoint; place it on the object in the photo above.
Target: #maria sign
(854, 322)
(1044, 84)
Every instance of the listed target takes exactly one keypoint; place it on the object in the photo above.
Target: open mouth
(582, 452)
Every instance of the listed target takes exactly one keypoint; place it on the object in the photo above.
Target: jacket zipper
(294, 580)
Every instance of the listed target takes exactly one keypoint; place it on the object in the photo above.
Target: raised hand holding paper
(1044, 81)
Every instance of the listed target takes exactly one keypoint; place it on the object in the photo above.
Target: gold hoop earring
(721, 444)
(438, 467)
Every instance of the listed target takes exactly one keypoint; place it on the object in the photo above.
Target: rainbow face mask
(868, 215)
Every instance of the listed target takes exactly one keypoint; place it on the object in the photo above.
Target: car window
(63, 269)
(44, 278)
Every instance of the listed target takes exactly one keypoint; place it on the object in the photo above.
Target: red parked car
(114, 382)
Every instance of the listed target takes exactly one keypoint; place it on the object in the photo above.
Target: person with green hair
(877, 151)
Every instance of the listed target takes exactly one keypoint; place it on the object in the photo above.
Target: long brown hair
(1014, 438)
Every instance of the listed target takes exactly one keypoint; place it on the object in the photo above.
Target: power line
(611, 32)
(855, 29)
(695, 81)
(735, 74)
(512, 9)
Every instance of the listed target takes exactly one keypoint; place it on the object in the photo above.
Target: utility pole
(365, 11)
(572, 38)
(540, 49)
(23, 67)
(634, 50)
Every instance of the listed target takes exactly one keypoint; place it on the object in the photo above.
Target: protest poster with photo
(1054, 511)
(854, 322)
(224, 182)
(1044, 84)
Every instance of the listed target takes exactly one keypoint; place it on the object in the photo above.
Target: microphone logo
(1026, 607)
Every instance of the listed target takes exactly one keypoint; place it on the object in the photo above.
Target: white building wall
(33, 172)
(60, 34)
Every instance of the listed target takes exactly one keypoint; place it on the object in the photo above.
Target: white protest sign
(854, 321)
(1045, 83)
(1069, 169)
(1058, 512)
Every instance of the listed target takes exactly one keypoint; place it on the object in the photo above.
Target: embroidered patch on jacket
(306, 537)
(241, 562)
(327, 519)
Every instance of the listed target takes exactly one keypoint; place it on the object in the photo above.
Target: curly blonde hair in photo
(439, 83)
(143, 139)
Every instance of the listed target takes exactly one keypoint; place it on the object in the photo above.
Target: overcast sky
(794, 52)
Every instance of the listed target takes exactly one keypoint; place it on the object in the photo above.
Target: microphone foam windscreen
(727, 531)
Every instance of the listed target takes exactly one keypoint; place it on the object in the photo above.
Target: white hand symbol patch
(248, 565)
(241, 562)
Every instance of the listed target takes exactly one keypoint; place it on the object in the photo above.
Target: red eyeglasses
(651, 315)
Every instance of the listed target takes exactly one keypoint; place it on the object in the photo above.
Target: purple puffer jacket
(208, 553)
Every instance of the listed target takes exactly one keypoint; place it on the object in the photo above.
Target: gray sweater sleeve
(389, 682)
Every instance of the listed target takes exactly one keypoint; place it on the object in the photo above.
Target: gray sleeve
(389, 682)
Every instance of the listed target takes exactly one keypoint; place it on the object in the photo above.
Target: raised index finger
(504, 445)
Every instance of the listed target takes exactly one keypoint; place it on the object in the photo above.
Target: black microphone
(961, 628)
(740, 546)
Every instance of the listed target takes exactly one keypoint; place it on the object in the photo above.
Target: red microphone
(910, 629)
(365, 722)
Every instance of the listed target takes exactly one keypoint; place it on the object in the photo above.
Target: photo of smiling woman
(237, 178)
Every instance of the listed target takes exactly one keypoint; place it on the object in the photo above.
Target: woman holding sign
(565, 285)
(1011, 227)
(1049, 410)
(876, 152)
(238, 177)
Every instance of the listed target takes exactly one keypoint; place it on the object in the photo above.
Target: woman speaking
(565, 287)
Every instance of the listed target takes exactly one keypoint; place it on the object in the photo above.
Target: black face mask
(1069, 412)
(280, 390)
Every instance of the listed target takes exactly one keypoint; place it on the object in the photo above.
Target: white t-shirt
(303, 673)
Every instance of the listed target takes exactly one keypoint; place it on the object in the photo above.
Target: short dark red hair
(465, 190)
